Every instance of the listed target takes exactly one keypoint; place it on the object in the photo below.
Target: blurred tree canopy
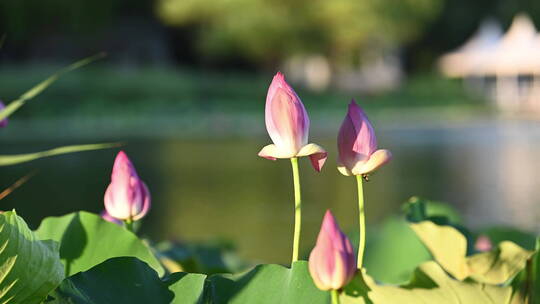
(270, 30)
(21, 19)
(262, 31)
(61, 30)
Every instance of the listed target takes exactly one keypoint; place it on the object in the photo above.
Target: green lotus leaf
(267, 284)
(394, 251)
(188, 288)
(117, 280)
(87, 240)
(29, 268)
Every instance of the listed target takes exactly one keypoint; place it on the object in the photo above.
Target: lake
(216, 186)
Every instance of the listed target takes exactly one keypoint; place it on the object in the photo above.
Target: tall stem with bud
(361, 222)
(359, 156)
(297, 208)
(335, 296)
(287, 123)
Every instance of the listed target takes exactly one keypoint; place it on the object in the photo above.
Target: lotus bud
(4, 121)
(106, 216)
(483, 243)
(357, 145)
(287, 123)
(332, 263)
(126, 197)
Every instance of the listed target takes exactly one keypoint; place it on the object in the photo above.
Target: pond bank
(213, 124)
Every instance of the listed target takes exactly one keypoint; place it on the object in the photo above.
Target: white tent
(506, 68)
(463, 61)
(516, 53)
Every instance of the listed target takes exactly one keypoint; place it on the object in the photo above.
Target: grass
(138, 92)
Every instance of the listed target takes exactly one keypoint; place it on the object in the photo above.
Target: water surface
(208, 188)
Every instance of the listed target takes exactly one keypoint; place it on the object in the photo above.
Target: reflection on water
(220, 188)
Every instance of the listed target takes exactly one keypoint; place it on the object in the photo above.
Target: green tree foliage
(267, 31)
(26, 19)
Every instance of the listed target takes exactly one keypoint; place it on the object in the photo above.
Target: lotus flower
(483, 243)
(357, 145)
(287, 124)
(332, 263)
(127, 197)
(106, 216)
(4, 121)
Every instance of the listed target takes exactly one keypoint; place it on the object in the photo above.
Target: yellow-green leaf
(498, 265)
(7, 160)
(449, 247)
(430, 284)
(33, 92)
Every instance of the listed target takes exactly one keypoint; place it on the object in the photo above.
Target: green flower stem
(129, 224)
(297, 208)
(361, 221)
(530, 279)
(335, 296)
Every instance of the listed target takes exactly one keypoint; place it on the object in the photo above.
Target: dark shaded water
(205, 189)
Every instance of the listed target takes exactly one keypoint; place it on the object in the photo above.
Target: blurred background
(451, 87)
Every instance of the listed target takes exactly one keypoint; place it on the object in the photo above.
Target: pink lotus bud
(287, 124)
(357, 144)
(332, 262)
(127, 197)
(106, 216)
(4, 121)
(483, 243)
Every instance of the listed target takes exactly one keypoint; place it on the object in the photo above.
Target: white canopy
(461, 62)
(515, 53)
